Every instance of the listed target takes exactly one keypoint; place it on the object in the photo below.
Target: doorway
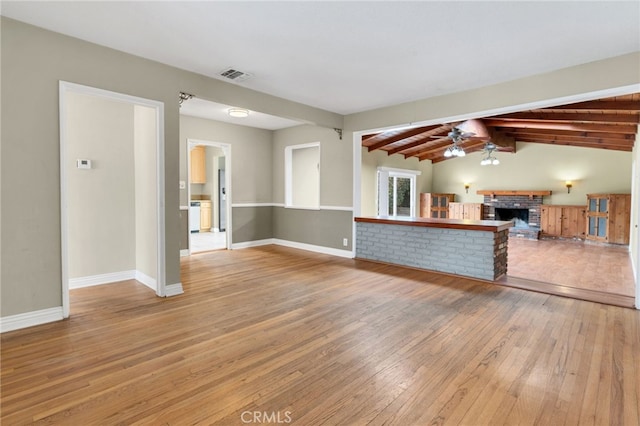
(111, 189)
(209, 194)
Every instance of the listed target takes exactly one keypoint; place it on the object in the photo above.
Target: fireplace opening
(520, 217)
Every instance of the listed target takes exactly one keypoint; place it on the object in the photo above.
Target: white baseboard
(173, 290)
(101, 279)
(29, 319)
(146, 280)
(293, 244)
(184, 252)
(256, 243)
(318, 249)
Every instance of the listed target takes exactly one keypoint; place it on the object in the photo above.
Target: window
(302, 176)
(397, 192)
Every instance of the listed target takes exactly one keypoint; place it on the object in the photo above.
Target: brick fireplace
(522, 207)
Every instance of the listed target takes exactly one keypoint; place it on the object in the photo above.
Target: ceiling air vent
(235, 75)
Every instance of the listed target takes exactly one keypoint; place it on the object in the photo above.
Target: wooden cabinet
(198, 167)
(608, 218)
(205, 215)
(435, 205)
(471, 211)
(563, 221)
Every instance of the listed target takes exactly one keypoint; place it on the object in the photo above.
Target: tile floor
(573, 263)
(206, 241)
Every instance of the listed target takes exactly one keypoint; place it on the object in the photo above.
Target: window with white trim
(397, 192)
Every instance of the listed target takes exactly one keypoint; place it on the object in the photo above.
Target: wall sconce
(568, 184)
(466, 187)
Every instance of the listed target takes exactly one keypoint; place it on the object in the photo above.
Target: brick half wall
(476, 254)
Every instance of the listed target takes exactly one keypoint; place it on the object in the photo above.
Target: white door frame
(226, 149)
(65, 88)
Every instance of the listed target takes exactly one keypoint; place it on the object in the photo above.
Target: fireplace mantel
(530, 194)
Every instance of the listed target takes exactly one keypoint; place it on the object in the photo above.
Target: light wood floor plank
(322, 340)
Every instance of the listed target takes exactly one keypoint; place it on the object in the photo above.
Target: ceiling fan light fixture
(495, 161)
(238, 112)
(461, 152)
(448, 153)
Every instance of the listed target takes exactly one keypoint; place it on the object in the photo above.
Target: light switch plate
(183, 184)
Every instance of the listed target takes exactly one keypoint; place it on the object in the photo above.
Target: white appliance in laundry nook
(194, 216)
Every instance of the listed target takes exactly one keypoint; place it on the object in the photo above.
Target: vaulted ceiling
(610, 123)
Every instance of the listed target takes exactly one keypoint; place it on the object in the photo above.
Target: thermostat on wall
(83, 164)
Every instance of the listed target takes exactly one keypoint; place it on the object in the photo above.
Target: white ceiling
(214, 111)
(353, 56)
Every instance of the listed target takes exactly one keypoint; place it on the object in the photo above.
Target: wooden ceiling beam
(417, 145)
(425, 140)
(555, 116)
(547, 137)
(576, 127)
(437, 145)
(469, 146)
(409, 133)
(600, 105)
(580, 144)
(618, 136)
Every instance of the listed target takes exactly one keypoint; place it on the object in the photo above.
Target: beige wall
(146, 200)
(336, 160)
(250, 156)
(33, 62)
(324, 227)
(100, 202)
(538, 167)
(370, 163)
(620, 71)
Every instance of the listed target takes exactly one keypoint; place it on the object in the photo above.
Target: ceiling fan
(457, 136)
(489, 148)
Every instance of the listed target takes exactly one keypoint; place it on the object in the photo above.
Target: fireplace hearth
(523, 210)
(520, 217)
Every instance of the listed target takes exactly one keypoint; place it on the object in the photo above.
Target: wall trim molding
(184, 252)
(29, 319)
(173, 289)
(234, 205)
(256, 243)
(314, 248)
(339, 208)
(100, 279)
(294, 244)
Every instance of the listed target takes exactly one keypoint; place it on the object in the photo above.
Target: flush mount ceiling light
(238, 112)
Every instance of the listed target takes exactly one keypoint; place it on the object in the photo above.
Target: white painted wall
(634, 243)
(305, 176)
(145, 171)
(369, 184)
(100, 201)
(538, 167)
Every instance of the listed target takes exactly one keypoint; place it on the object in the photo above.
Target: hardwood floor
(310, 339)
